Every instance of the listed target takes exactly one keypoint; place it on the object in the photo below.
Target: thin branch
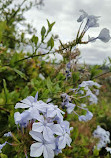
(101, 74)
(31, 56)
(14, 14)
(5, 110)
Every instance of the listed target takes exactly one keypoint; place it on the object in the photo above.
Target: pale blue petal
(36, 97)
(70, 107)
(9, 134)
(61, 142)
(48, 152)
(26, 101)
(37, 136)
(68, 139)
(38, 127)
(21, 105)
(34, 113)
(36, 150)
(17, 117)
(2, 145)
(30, 98)
(60, 116)
(51, 145)
(57, 129)
(82, 118)
(104, 35)
(48, 134)
(51, 113)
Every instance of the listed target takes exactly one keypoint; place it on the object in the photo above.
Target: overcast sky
(65, 14)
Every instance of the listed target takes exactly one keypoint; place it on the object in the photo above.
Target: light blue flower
(108, 149)
(41, 146)
(23, 118)
(9, 134)
(45, 127)
(57, 129)
(92, 21)
(86, 117)
(90, 84)
(63, 140)
(68, 65)
(27, 102)
(86, 85)
(53, 111)
(66, 126)
(103, 135)
(93, 99)
(63, 137)
(2, 145)
(31, 102)
(104, 35)
(57, 151)
(66, 99)
(83, 16)
(70, 107)
(34, 113)
(83, 105)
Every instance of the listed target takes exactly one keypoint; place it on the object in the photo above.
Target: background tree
(12, 15)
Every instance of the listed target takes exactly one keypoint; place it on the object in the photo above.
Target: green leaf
(96, 152)
(2, 27)
(95, 70)
(49, 84)
(43, 31)
(35, 39)
(14, 58)
(21, 74)
(50, 43)
(5, 90)
(75, 77)
(50, 25)
(3, 155)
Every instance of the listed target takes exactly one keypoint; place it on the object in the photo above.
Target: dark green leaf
(43, 31)
(50, 43)
(50, 25)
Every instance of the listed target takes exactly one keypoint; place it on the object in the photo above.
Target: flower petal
(57, 129)
(36, 150)
(21, 105)
(48, 134)
(36, 135)
(48, 152)
(38, 127)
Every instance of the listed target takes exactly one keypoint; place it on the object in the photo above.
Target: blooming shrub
(42, 127)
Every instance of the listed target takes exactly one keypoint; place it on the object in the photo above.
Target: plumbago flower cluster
(50, 131)
(92, 21)
(84, 89)
(103, 136)
(48, 128)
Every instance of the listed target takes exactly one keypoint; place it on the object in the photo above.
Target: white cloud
(65, 13)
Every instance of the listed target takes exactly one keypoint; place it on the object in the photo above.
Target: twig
(5, 110)
(102, 74)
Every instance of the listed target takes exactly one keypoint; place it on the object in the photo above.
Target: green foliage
(95, 70)
(50, 25)
(43, 31)
(50, 43)
(35, 39)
